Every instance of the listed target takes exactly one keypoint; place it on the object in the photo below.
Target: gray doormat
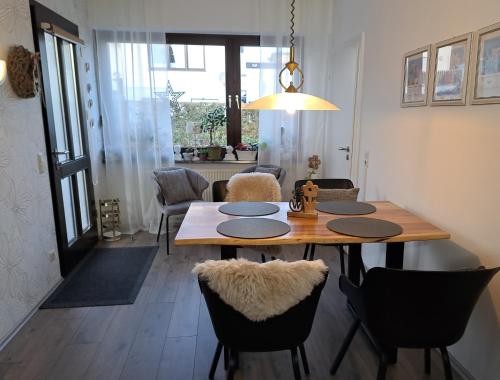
(107, 276)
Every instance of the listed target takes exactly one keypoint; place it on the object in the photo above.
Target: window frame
(232, 44)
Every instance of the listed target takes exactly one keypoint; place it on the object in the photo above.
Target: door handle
(346, 148)
(237, 98)
(229, 101)
(55, 152)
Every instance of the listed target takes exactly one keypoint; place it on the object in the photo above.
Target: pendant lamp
(291, 100)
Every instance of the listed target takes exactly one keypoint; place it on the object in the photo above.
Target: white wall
(213, 16)
(442, 163)
(27, 231)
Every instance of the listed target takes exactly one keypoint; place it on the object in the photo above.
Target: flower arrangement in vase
(314, 163)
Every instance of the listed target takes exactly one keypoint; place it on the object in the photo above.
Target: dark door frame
(70, 253)
(232, 43)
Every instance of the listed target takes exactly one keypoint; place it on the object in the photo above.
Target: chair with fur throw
(253, 187)
(261, 307)
(250, 187)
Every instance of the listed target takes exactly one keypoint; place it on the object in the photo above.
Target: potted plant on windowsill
(246, 152)
(209, 123)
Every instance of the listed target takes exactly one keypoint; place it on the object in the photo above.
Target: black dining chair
(327, 183)
(413, 309)
(236, 333)
(219, 190)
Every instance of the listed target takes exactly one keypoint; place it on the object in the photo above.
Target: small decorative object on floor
(307, 202)
(314, 163)
(229, 154)
(109, 211)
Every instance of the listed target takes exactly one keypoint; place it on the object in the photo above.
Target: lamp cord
(292, 28)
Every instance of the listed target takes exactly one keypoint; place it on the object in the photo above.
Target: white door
(342, 133)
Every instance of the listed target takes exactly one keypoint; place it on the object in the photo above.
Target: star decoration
(172, 95)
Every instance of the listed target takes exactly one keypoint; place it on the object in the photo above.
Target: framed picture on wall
(415, 77)
(485, 86)
(450, 71)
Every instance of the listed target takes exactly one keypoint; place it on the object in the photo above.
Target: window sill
(215, 162)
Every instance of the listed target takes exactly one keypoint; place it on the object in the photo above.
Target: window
(208, 73)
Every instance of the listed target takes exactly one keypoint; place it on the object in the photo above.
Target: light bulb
(3, 71)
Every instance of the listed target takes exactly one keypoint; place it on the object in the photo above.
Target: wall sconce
(3, 71)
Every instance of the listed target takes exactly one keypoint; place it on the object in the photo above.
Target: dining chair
(253, 185)
(176, 189)
(413, 309)
(277, 171)
(330, 184)
(219, 190)
(236, 333)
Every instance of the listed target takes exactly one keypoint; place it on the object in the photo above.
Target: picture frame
(450, 71)
(485, 72)
(415, 77)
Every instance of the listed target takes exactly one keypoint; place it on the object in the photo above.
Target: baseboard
(14, 332)
(460, 369)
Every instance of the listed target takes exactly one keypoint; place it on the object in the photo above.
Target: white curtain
(289, 139)
(136, 121)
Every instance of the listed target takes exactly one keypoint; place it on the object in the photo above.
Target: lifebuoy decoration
(22, 68)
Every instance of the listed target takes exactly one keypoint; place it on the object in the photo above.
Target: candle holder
(109, 212)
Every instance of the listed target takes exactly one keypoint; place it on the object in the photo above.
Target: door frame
(232, 44)
(69, 253)
(356, 130)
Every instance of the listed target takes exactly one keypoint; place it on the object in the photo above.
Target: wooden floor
(167, 333)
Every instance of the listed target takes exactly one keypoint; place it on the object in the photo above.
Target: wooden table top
(200, 223)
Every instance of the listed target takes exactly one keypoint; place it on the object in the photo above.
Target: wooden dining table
(199, 227)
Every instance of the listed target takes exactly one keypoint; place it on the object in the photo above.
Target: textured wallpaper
(27, 232)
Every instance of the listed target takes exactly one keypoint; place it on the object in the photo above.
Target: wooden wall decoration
(22, 68)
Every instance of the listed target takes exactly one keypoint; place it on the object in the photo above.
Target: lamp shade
(290, 102)
(3, 71)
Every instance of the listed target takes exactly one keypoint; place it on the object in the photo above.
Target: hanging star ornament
(172, 95)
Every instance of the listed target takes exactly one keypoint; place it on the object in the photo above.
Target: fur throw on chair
(261, 291)
(253, 187)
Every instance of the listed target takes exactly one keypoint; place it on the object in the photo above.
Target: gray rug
(107, 276)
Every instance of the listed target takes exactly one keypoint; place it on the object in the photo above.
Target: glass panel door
(67, 144)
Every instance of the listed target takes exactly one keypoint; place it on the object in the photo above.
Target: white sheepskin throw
(253, 187)
(260, 291)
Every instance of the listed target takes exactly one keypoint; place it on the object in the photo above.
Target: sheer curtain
(136, 121)
(289, 139)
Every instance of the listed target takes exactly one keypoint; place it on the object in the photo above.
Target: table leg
(394, 257)
(354, 263)
(227, 252)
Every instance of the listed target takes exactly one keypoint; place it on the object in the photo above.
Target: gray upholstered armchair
(278, 171)
(176, 189)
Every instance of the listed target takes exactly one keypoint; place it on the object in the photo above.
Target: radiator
(216, 174)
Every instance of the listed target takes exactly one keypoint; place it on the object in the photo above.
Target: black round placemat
(249, 208)
(364, 227)
(346, 207)
(253, 228)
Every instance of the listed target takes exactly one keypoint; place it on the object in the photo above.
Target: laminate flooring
(167, 333)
